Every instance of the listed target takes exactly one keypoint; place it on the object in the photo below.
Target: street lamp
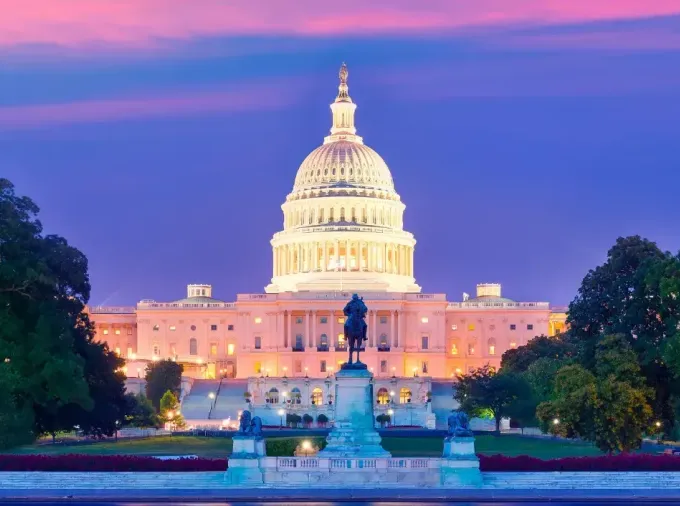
(281, 413)
(415, 372)
(306, 369)
(211, 395)
(284, 371)
(391, 413)
(392, 397)
(394, 372)
(306, 447)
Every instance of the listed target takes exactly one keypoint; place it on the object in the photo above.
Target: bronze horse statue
(355, 326)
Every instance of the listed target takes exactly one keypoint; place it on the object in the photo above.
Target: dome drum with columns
(343, 221)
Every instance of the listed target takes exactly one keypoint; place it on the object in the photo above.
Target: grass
(509, 445)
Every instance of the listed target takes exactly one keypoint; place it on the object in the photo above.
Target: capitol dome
(343, 220)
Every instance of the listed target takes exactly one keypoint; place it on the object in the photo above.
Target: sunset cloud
(148, 23)
(255, 97)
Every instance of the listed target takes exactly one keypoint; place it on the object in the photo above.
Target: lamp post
(392, 397)
(281, 413)
(391, 413)
(284, 371)
(394, 372)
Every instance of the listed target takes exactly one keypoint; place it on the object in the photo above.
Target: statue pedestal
(354, 433)
(460, 465)
(244, 463)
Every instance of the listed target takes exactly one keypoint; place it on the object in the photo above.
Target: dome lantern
(343, 113)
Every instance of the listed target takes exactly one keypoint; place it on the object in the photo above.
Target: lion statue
(251, 425)
(459, 425)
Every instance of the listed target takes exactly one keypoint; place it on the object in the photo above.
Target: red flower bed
(629, 462)
(92, 463)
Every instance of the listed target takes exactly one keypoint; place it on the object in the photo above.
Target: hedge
(92, 463)
(622, 462)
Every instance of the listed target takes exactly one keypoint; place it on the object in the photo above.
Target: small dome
(343, 163)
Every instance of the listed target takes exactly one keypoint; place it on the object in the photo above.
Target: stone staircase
(230, 399)
(198, 404)
(442, 401)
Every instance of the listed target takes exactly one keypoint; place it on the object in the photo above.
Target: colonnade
(345, 255)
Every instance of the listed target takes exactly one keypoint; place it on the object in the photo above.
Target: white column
(315, 337)
(336, 253)
(325, 256)
(401, 336)
(308, 316)
(392, 341)
(347, 254)
(287, 340)
(369, 256)
(331, 338)
(411, 265)
(374, 330)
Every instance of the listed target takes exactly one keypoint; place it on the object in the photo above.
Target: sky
(160, 137)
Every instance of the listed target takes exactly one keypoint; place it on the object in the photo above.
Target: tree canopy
(162, 376)
(46, 338)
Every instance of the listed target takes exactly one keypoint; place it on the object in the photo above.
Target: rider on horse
(355, 326)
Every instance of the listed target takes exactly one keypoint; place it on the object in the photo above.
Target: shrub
(307, 419)
(322, 420)
(293, 420)
(114, 463)
(383, 419)
(622, 462)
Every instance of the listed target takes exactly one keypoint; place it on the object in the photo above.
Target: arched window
(492, 346)
(341, 341)
(317, 397)
(295, 396)
(193, 346)
(383, 396)
(272, 397)
(404, 395)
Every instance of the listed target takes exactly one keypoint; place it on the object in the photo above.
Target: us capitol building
(343, 233)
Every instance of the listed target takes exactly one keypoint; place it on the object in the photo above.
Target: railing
(354, 464)
(298, 348)
(383, 348)
(186, 305)
(111, 310)
(498, 305)
(322, 348)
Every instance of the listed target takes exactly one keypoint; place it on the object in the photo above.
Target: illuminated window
(105, 332)
(173, 328)
(258, 320)
(193, 346)
(471, 349)
(383, 396)
(258, 367)
(404, 395)
(458, 371)
(471, 327)
(341, 319)
(117, 332)
(129, 352)
(341, 339)
(317, 396)
(513, 344)
(117, 351)
(258, 343)
(156, 328)
(454, 349)
(230, 349)
(454, 327)
(424, 319)
(213, 349)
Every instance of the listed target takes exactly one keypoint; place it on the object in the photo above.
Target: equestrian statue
(355, 329)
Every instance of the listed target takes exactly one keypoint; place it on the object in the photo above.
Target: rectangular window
(258, 367)
(471, 349)
(425, 342)
(213, 327)
(530, 327)
(341, 319)
(492, 349)
(173, 349)
(424, 319)
(129, 331)
(117, 332)
(173, 328)
(156, 328)
(454, 327)
(383, 366)
(383, 319)
(213, 349)
(454, 349)
(471, 327)
(258, 320)
(230, 327)
(298, 319)
(322, 366)
(117, 351)
(258, 343)
(105, 332)
(513, 326)
(156, 350)
(230, 349)
(424, 367)
(297, 366)
(323, 319)
(129, 352)
(299, 342)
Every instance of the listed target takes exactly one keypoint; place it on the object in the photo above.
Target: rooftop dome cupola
(489, 290)
(343, 113)
(199, 291)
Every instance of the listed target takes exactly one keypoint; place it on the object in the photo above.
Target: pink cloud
(251, 98)
(136, 23)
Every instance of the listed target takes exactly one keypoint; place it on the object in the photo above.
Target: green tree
(162, 376)
(16, 425)
(625, 296)
(44, 332)
(518, 360)
(170, 410)
(140, 412)
(484, 389)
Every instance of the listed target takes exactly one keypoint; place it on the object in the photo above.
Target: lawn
(509, 445)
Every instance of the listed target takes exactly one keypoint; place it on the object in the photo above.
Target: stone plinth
(354, 433)
(460, 465)
(244, 462)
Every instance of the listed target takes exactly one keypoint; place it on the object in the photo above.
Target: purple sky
(162, 140)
